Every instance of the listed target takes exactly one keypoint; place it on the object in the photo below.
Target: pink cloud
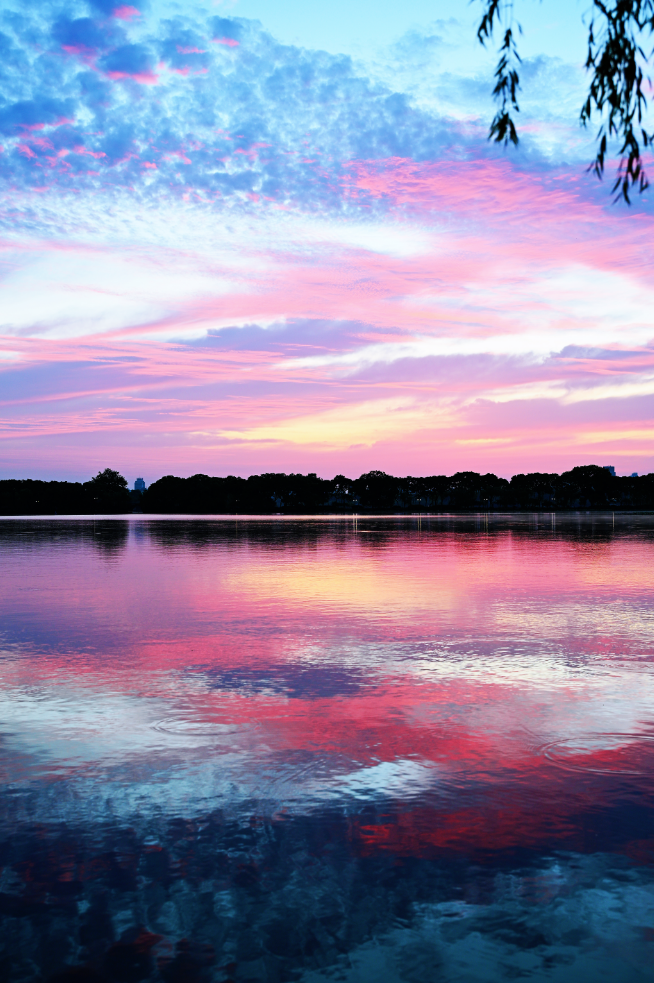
(179, 155)
(87, 55)
(58, 158)
(480, 262)
(145, 78)
(31, 127)
(84, 151)
(229, 42)
(43, 142)
(189, 71)
(126, 12)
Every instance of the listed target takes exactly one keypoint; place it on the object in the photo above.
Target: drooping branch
(507, 79)
(616, 61)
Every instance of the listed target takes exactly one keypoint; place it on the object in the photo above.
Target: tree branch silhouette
(616, 61)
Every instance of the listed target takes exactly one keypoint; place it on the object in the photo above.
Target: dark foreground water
(377, 751)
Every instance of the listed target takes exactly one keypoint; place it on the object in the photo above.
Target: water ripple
(607, 753)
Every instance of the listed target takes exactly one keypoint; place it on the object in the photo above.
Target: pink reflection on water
(475, 681)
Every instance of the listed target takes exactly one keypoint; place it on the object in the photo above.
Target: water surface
(370, 750)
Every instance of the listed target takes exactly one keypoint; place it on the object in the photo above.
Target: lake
(374, 750)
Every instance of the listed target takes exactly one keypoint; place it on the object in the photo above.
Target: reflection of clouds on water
(402, 779)
(108, 713)
(249, 761)
(81, 753)
(110, 761)
(279, 589)
(626, 622)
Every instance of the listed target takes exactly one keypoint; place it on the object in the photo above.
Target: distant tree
(617, 60)
(108, 492)
(108, 479)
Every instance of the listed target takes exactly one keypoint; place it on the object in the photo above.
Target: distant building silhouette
(610, 469)
(634, 474)
(139, 485)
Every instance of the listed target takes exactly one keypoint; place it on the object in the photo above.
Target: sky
(258, 236)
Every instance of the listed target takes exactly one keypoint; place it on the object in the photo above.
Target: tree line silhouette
(585, 487)
(106, 494)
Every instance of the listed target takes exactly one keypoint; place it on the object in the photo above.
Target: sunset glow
(228, 253)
